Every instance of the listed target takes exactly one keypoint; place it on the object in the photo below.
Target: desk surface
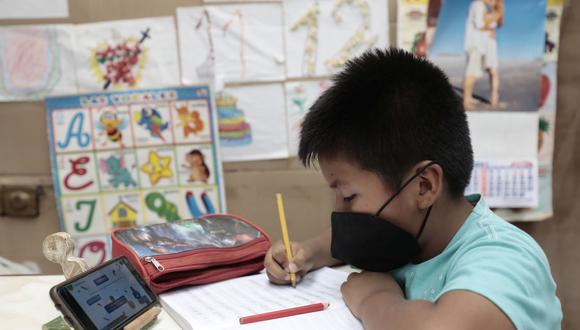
(25, 303)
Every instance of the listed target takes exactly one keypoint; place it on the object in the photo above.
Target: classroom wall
(250, 186)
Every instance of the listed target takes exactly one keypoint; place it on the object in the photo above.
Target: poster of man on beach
(492, 50)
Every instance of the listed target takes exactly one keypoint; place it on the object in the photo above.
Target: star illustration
(157, 167)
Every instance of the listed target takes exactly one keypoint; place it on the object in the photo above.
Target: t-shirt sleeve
(515, 276)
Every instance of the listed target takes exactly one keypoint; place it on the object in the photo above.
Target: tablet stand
(59, 248)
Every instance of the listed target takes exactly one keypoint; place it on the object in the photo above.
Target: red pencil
(284, 313)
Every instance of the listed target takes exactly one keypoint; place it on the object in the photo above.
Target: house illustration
(123, 215)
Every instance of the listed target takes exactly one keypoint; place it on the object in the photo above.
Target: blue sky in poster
(521, 37)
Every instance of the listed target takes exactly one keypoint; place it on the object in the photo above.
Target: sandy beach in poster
(519, 82)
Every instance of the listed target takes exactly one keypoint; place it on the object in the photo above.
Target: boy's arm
(378, 301)
(454, 310)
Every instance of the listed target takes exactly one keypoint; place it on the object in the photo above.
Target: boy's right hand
(277, 266)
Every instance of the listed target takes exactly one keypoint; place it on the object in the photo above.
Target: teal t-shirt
(493, 258)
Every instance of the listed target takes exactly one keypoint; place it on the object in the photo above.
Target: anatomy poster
(322, 35)
(252, 122)
(130, 54)
(36, 61)
(131, 158)
(300, 96)
(231, 43)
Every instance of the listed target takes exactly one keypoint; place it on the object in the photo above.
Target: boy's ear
(430, 184)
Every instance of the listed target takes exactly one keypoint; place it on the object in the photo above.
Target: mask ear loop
(403, 187)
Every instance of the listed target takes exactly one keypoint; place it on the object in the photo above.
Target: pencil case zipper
(174, 262)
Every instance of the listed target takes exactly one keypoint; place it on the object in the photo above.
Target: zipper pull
(155, 263)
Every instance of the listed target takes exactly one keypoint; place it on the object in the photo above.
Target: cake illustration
(234, 130)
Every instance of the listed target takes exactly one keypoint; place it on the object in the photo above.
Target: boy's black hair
(387, 111)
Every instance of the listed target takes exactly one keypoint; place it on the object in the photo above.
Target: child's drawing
(322, 35)
(252, 122)
(36, 61)
(231, 42)
(299, 98)
(120, 63)
(126, 54)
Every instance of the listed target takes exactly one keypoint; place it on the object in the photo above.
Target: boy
(392, 140)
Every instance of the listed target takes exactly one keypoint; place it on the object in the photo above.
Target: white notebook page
(220, 305)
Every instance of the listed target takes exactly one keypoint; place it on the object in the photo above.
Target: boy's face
(361, 191)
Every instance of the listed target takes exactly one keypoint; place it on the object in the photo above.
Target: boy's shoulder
(501, 262)
(484, 231)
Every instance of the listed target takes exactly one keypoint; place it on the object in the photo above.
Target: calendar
(505, 183)
(121, 159)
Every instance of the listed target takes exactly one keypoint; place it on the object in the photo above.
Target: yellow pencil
(285, 237)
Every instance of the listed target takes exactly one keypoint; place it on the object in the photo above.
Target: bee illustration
(111, 125)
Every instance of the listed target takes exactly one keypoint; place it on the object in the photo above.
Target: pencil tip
(326, 305)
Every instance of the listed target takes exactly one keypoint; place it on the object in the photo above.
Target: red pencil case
(203, 250)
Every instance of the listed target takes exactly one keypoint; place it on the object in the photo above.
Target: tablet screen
(109, 296)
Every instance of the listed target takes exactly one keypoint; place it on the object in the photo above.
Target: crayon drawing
(231, 43)
(122, 63)
(322, 35)
(299, 98)
(36, 61)
(118, 55)
(252, 122)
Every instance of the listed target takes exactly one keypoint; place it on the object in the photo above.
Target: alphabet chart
(121, 159)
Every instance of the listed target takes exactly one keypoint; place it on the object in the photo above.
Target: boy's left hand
(359, 286)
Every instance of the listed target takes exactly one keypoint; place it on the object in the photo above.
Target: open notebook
(220, 305)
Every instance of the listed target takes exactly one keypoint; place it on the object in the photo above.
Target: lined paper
(220, 305)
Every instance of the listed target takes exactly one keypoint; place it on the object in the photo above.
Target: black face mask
(373, 243)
